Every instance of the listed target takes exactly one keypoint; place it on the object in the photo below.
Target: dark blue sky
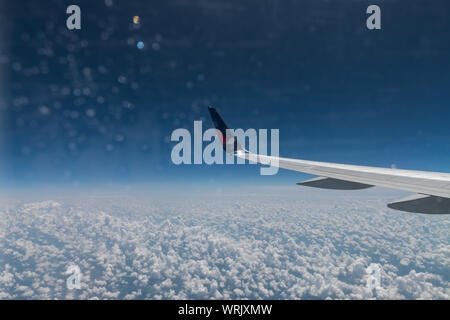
(88, 108)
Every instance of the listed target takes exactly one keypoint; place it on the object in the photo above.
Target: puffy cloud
(279, 244)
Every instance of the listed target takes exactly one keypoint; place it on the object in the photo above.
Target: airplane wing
(432, 188)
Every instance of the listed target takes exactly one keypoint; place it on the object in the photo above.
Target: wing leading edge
(433, 188)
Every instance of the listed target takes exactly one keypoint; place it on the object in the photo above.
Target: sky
(87, 108)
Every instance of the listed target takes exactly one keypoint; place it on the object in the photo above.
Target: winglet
(222, 127)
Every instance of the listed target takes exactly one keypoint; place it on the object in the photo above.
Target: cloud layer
(278, 244)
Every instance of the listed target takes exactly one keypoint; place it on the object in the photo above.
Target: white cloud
(274, 245)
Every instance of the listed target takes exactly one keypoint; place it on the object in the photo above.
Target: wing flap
(335, 184)
(420, 203)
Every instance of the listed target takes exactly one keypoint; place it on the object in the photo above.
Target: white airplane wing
(432, 188)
